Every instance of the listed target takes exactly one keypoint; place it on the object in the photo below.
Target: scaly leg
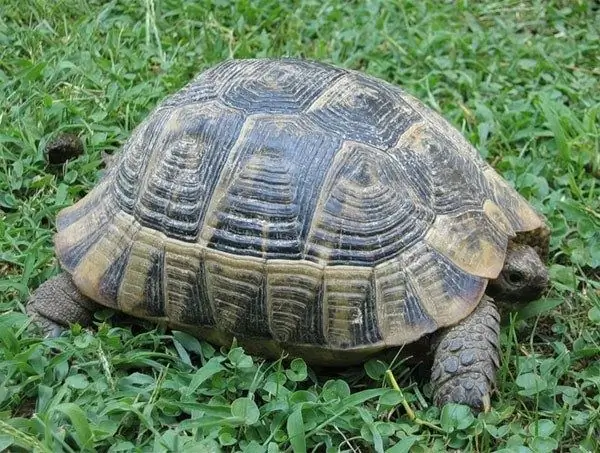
(58, 303)
(466, 359)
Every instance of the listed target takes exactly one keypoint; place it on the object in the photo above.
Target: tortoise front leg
(57, 303)
(466, 359)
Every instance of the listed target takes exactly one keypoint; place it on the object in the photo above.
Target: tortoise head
(523, 278)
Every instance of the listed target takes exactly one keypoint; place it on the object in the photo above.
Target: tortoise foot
(466, 359)
(57, 303)
(471, 389)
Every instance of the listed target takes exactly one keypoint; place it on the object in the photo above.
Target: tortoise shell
(297, 204)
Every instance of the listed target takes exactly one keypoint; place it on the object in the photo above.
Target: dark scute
(198, 311)
(459, 183)
(285, 86)
(415, 175)
(97, 225)
(137, 155)
(370, 212)
(70, 258)
(253, 322)
(414, 315)
(154, 295)
(238, 296)
(181, 183)
(68, 218)
(271, 189)
(201, 89)
(457, 282)
(111, 280)
(351, 310)
(366, 110)
(368, 331)
(310, 328)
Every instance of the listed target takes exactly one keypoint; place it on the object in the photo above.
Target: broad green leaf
(360, 397)
(212, 367)
(541, 444)
(239, 358)
(531, 384)
(375, 369)
(296, 432)
(391, 398)
(456, 416)
(183, 354)
(79, 421)
(188, 341)
(226, 438)
(124, 446)
(298, 371)
(77, 381)
(253, 447)
(245, 409)
(543, 428)
(6, 441)
(539, 307)
(594, 315)
(403, 445)
(372, 436)
(335, 390)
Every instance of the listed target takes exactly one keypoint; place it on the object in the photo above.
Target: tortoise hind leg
(58, 303)
(466, 359)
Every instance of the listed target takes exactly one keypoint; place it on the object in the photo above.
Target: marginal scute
(349, 307)
(111, 280)
(72, 249)
(401, 314)
(116, 239)
(294, 299)
(421, 291)
(518, 211)
(80, 226)
(498, 218)
(471, 241)
(446, 292)
(185, 281)
(141, 292)
(236, 288)
(86, 212)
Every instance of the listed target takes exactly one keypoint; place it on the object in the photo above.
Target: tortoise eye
(515, 277)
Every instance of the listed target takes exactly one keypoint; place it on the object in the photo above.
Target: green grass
(520, 79)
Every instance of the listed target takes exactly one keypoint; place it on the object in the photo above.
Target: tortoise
(308, 210)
